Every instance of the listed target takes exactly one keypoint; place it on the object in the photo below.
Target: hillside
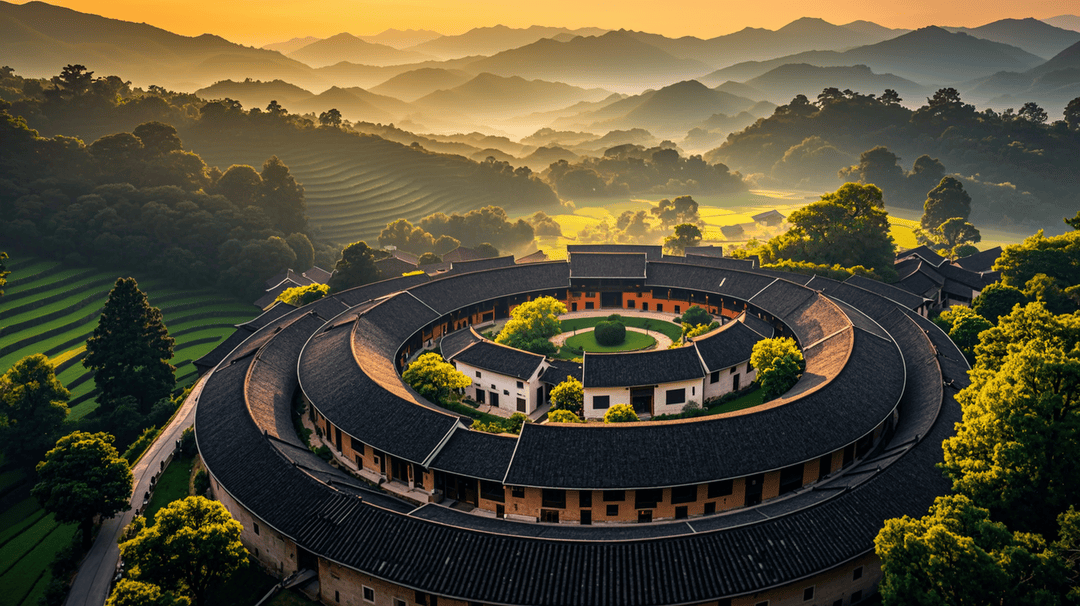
(402, 38)
(500, 97)
(356, 184)
(492, 40)
(416, 83)
(291, 45)
(783, 83)
(347, 47)
(255, 93)
(1052, 84)
(1034, 36)
(751, 44)
(1065, 22)
(615, 60)
(930, 56)
(38, 39)
(355, 104)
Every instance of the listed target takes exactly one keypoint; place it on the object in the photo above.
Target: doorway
(754, 485)
(641, 398)
(494, 399)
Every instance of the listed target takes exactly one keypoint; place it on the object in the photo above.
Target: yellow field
(737, 209)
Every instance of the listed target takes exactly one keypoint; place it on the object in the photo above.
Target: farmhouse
(775, 504)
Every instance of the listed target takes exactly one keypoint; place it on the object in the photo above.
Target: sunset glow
(267, 21)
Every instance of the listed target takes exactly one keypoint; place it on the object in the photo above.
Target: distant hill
(670, 111)
(492, 40)
(750, 43)
(1065, 22)
(347, 47)
(356, 104)
(544, 157)
(414, 84)
(498, 96)
(291, 45)
(402, 38)
(38, 39)
(783, 83)
(615, 60)
(1032, 35)
(930, 56)
(254, 93)
(1052, 84)
(370, 76)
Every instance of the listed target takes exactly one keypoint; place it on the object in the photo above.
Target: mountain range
(347, 47)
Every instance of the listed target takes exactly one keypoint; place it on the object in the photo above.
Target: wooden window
(255, 527)
(714, 377)
(676, 396)
(549, 516)
(721, 488)
(681, 512)
(601, 402)
(369, 595)
(586, 518)
(478, 374)
(612, 510)
(648, 498)
(337, 596)
(554, 498)
(808, 594)
(710, 508)
(644, 516)
(492, 491)
(399, 602)
(684, 494)
(614, 495)
(791, 478)
(518, 492)
(585, 498)
(857, 574)
(856, 597)
(520, 385)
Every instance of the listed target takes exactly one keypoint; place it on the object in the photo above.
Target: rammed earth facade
(777, 504)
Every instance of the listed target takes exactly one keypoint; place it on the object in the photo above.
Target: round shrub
(620, 413)
(609, 333)
(563, 416)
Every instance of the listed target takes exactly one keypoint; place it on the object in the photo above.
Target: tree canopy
(685, 234)
(779, 365)
(997, 300)
(958, 555)
(33, 406)
(83, 477)
(356, 267)
(192, 544)
(563, 416)
(944, 202)
(302, 295)
(131, 348)
(434, 378)
(129, 592)
(568, 396)
(848, 227)
(531, 324)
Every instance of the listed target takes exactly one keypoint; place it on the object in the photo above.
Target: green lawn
(672, 330)
(172, 485)
(747, 401)
(634, 341)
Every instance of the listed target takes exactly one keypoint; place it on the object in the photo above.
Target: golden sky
(258, 22)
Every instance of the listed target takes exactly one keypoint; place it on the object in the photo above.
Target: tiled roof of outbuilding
(726, 346)
(500, 359)
(653, 253)
(980, 261)
(904, 297)
(641, 368)
(607, 265)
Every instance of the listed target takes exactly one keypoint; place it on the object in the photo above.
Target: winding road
(94, 579)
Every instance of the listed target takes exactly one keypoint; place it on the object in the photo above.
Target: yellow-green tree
(568, 395)
(129, 592)
(531, 324)
(620, 413)
(434, 378)
(779, 365)
(302, 295)
(192, 544)
(563, 416)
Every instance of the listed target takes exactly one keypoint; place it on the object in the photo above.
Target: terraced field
(356, 185)
(52, 309)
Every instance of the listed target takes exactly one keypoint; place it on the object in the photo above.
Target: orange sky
(260, 22)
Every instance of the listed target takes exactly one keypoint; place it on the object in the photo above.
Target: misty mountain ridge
(1031, 35)
(402, 38)
(1065, 22)
(347, 47)
(783, 83)
(256, 93)
(1051, 84)
(290, 45)
(606, 61)
(492, 40)
(499, 96)
(412, 85)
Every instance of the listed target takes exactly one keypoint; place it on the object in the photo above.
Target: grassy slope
(356, 185)
(37, 289)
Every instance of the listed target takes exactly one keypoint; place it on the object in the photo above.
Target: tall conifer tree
(131, 348)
